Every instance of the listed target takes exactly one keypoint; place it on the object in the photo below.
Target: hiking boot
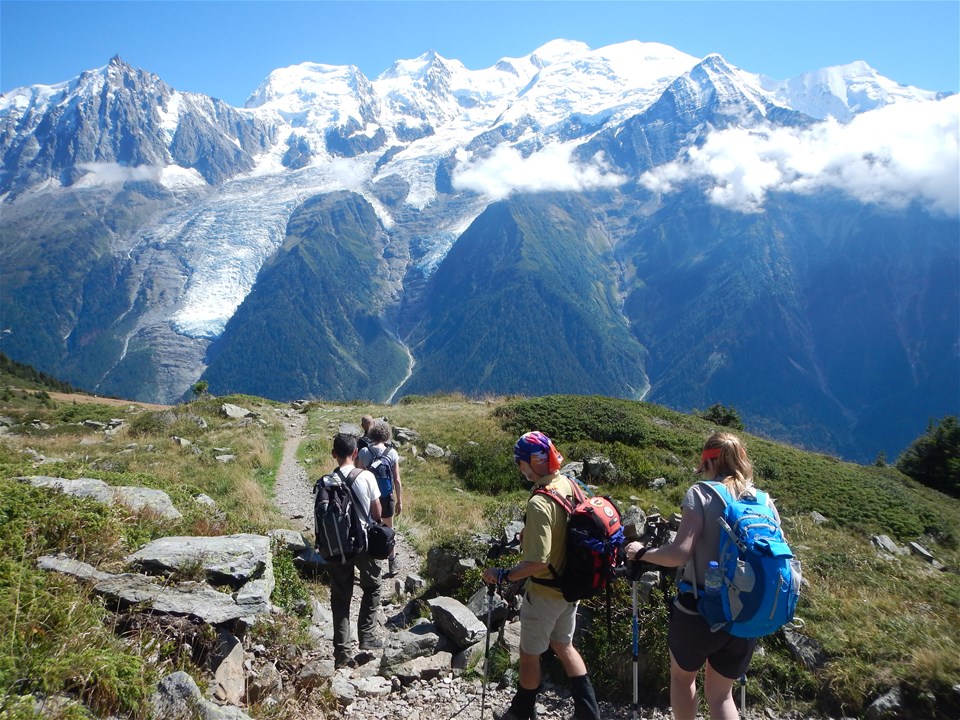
(344, 661)
(508, 715)
(371, 644)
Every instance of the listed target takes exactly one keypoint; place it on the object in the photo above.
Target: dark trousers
(341, 592)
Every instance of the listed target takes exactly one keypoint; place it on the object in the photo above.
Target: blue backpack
(382, 470)
(761, 576)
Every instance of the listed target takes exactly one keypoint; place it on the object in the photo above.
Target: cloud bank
(890, 156)
(505, 171)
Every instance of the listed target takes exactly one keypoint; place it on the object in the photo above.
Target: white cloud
(505, 171)
(111, 173)
(892, 156)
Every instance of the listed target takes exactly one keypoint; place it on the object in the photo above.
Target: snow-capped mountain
(149, 234)
(843, 91)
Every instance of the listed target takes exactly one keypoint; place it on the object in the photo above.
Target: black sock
(524, 702)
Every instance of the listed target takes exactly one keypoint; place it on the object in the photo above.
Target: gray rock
(599, 470)
(264, 683)
(225, 458)
(137, 499)
(178, 698)
(478, 606)
(511, 531)
(509, 640)
(413, 583)
(805, 650)
(315, 673)
(471, 657)
(887, 545)
(573, 470)
(235, 412)
(229, 676)
(403, 646)
(456, 621)
(648, 581)
(74, 568)
(233, 559)
(921, 552)
(343, 690)
(818, 519)
(658, 483)
(424, 668)
(192, 599)
(405, 435)
(434, 451)
(886, 707)
(374, 686)
(447, 568)
(182, 442)
(206, 501)
(634, 522)
(292, 540)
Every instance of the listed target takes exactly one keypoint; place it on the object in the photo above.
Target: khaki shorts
(544, 620)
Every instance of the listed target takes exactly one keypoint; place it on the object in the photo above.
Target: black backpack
(337, 523)
(382, 470)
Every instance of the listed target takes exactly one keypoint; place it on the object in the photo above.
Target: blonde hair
(733, 464)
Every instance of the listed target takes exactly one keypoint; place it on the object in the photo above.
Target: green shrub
(487, 467)
(290, 592)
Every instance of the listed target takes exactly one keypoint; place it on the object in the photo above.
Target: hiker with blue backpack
(738, 579)
(384, 462)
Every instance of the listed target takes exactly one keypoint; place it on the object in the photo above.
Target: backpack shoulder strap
(719, 489)
(560, 498)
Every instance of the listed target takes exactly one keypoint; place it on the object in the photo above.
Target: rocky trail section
(420, 673)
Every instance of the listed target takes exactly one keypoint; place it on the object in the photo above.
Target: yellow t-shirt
(545, 534)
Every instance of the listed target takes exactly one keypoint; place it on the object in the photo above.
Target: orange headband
(710, 454)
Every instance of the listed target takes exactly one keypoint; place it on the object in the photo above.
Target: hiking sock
(584, 700)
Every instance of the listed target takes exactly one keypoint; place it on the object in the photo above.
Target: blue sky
(226, 49)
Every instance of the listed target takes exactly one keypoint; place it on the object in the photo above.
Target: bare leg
(718, 690)
(683, 691)
(572, 663)
(529, 671)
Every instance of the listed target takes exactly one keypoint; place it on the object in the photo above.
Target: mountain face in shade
(629, 221)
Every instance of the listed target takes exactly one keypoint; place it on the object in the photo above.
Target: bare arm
(375, 510)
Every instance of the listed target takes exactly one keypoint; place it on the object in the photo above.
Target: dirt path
(441, 698)
(293, 493)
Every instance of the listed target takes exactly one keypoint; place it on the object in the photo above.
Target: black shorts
(692, 644)
(386, 506)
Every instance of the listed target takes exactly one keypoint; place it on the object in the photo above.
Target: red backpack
(594, 543)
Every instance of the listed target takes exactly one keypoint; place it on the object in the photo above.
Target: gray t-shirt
(707, 503)
(367, 456)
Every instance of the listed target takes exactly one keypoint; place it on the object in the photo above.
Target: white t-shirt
(365, 491)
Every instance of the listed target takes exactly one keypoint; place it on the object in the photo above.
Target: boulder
(634, 522)
(74, 568)
(137, 499)
(190, 598)
(232, 559)
(805, 650)
(229, 676)
(424, 668)
(405, 435)
(456, 621)
(883, 542)
(263, 683)
(235, 412)
(434, 451)
(178, 698)
(478, 606)
(447, 568)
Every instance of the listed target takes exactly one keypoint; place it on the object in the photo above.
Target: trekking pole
(491, 589)
(743, 694)
(636, 644)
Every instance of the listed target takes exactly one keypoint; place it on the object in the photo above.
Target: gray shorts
(544, 620)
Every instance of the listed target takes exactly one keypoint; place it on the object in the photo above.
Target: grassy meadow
(879, 622)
